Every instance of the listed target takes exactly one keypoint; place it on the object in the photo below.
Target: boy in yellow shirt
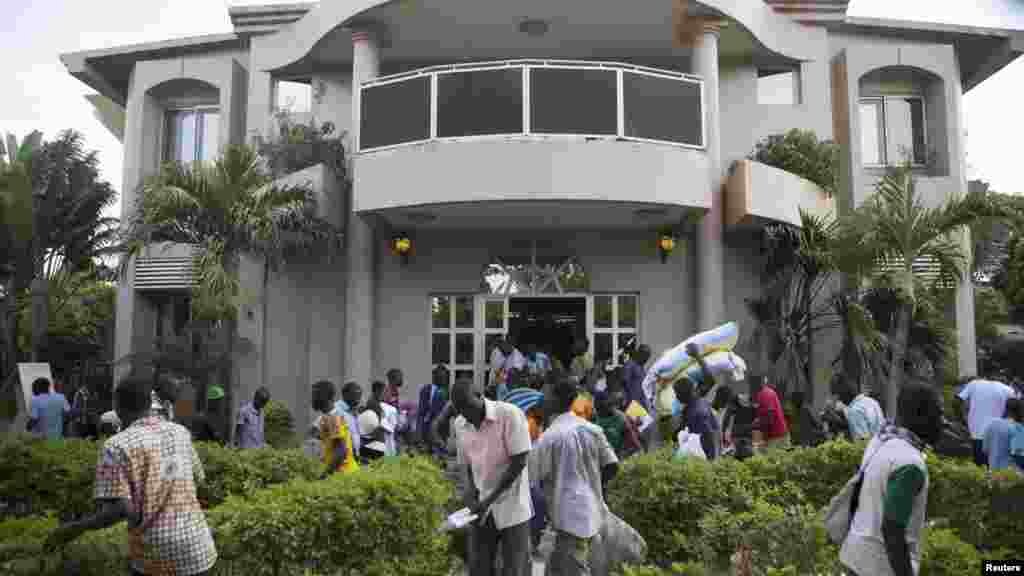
(335, 437)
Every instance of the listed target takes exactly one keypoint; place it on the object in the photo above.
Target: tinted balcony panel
(395, 113)
(480, 102)
(570, 98)
(657, 108)
(569, 101)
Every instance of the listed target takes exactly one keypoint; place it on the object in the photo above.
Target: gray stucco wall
(451, 262)
(745, 122)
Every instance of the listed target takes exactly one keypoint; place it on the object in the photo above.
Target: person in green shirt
(611, 421)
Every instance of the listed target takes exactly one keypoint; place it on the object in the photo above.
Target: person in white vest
(885, 532)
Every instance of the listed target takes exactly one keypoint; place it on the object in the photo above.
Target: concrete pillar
(360, 288)
(260, 94)
(967, 343)
(710, 251)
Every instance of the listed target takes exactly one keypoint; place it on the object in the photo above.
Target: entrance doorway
(550, 323)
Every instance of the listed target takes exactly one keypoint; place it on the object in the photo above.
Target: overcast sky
(38, 93)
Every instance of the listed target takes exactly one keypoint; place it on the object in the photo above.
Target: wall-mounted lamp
(666, 244)
(401, 246)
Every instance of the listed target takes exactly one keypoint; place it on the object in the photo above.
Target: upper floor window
(294, 96)
(778, 86)
(192, 134)
(892, 130)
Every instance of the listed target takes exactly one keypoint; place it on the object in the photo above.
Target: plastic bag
(689, 446)
(616, 544)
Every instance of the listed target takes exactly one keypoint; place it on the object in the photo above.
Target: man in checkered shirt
(147, 475)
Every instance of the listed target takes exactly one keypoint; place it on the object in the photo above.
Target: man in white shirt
(986, 401)
(574, 461)
(493, 440)
(387, 414)
(504, 358)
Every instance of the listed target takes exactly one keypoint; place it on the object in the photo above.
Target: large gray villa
(532, 153)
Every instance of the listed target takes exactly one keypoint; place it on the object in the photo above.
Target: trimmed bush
(380, 521)
(279, 426)
(99, 553)
(230, 471)
(945, 554)
(664, 500)
(39, 476)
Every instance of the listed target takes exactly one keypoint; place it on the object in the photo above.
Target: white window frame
(884, 100)
(165, 144)
(593, 330)
(452, 331)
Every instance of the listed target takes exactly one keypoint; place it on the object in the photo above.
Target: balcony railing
(532, 97)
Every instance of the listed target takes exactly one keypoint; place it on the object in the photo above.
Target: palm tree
(228, 209)
(891, 232)
(17, 228)
(798, 269)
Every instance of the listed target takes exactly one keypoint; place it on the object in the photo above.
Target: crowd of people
(538, 444)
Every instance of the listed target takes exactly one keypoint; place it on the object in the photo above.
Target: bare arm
(110, 512)
(515, 468)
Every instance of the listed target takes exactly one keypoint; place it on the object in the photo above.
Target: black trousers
(979, 455)
(515, 549)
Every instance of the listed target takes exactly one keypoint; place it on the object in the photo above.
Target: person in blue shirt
(432, 402)
(999, 434)
(47, 411)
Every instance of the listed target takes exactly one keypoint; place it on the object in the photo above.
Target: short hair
(262, 392)
(1015, 408)
(643, 349)
(40, 386)
(463, 386)
(134, 394)
(919, 410)
(392, 373)
(565, 393)
(323, 393)
(350, 386)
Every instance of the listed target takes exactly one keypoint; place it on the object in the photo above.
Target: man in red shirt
(771, 420)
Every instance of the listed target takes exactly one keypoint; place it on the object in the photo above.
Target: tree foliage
(801, 153)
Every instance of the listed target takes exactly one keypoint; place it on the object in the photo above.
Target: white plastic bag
(616, 544)
(689, 446)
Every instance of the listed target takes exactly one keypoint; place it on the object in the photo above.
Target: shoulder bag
(839, 514)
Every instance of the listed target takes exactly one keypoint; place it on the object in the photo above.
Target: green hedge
(59, 476)
(380, 521)
(690, 510)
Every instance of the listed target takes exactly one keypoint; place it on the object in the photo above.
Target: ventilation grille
(166, 273)
(925, 269)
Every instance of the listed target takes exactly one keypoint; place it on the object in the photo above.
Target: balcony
(757, 193)
(531, 130)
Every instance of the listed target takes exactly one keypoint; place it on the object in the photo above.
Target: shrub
(39, 475)
(380, 521)
(664, 500)
(279, 426)
(801, 153)
(945, 554)
(776, 537)
(819, 472)
(98, 553)
(241, 472)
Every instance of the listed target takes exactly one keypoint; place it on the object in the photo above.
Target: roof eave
(1010, 42)
(81, 64)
